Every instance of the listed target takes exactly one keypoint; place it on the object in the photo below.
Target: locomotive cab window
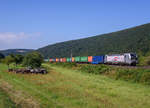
(133, 56)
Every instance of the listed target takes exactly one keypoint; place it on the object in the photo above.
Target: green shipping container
(84, 59)
(68, 59)
(77, 59)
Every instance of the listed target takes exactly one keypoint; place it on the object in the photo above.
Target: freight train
(130, 59)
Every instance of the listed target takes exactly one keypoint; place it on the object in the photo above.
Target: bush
(2, 56)
(68, 65)
(95, 69)
(33, 60)
(148, 62)
(134, 75)
(8, 60)
(145, 77)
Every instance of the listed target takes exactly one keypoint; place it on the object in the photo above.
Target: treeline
(32, 60)
(130, 40)
(15, 51)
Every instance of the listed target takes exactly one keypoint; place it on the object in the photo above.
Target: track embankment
(131, 67)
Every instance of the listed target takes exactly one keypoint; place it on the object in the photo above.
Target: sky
(33, 24)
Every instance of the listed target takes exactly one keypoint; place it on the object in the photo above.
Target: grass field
(5, 101)
(67, 88)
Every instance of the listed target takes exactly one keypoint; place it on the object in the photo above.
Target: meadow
(5, 101)
(71, 88)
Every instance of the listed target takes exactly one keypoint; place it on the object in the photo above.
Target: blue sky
(37, 23)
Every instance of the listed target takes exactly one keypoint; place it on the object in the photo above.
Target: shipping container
(114, 58)
(90, 58)
(54, 60)
(57, 60)
(73, 59)
(77, 59)
(84, 59)
(46, 60)
(51, 60)
(97, 59)
(64, 60)
(61, 59)
(68, 59)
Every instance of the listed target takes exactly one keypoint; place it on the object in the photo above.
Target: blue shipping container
(97, 59)
(54, 60)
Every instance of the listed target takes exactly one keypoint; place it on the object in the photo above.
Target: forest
(136, 39)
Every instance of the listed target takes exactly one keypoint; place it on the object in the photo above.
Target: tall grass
(137, 75)
(134, 75)
(5, 101)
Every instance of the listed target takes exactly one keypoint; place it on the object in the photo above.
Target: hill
(136, 39)
(15, 51)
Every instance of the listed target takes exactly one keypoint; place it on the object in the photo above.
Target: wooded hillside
(135, 39)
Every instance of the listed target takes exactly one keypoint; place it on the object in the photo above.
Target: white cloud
(10, 37)
(10, 40)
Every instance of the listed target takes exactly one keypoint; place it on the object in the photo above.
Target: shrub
(145, 77)
(135, 75)
(68, 65)
(95, 69)
(8, 60)
(33, 60)
(148, 62)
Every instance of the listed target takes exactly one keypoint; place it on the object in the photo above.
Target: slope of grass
(66, 88)
(137, 75)
(5, 101)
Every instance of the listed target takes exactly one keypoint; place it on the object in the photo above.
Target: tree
(33, 60)
(8, 60)
(18, 59)
(1, 56)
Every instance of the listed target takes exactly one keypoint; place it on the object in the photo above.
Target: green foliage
(8, 60)
(33, 59)
(135, 75)
(95, 69)
(148, 62)
(68, 65)
(16, 51)
(130, 40)
(18, 59)
(1, 56)
(144, 60)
